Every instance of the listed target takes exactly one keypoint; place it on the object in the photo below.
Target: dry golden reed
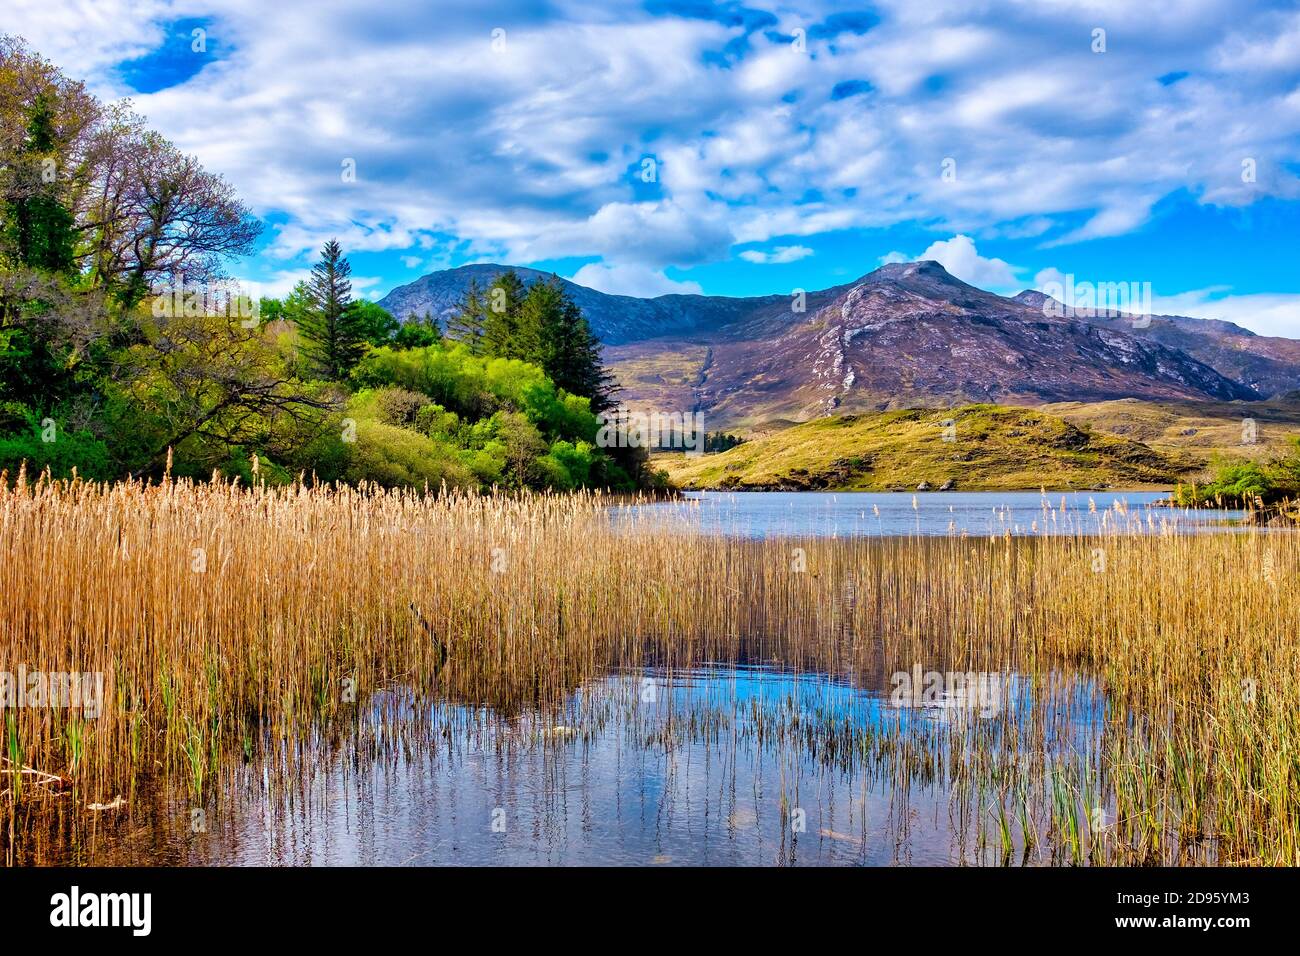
(230, 621)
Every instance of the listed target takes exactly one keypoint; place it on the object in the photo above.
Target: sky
(729, 148)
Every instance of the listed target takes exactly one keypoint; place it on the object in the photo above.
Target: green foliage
(43, 444)
(540, 325)
(39, 229)
(467, 325)
(417, 333)
(501, 329)
(400, 457)
(374, 323)
(502, 420)
(1248, 482)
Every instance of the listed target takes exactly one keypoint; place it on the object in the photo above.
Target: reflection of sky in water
(849, 514)
(610, 791)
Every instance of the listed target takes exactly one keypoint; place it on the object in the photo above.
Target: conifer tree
(501, 316)
(41, 232)
(332, 328)
(466, 326)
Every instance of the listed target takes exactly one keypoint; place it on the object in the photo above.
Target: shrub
(68, 450)
(398, 457)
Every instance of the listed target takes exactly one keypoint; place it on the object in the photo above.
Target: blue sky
(729, 148)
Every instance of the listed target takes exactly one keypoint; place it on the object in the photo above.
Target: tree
(48, 124)
(501, 316)
(40, 231)
(332, 327)
(160, 218)
(205, 385)
(537, 327)
(573, 358)
(466, 326)
(418, 333)
(376, 323)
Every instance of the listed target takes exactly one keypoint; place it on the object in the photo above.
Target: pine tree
(332, 327)
(466, 326)
(575, 363)
(501, 316)
(538, 328)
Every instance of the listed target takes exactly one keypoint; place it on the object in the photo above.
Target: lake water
(757, 514)
(710, 766)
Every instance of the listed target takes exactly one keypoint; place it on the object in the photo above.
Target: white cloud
(653, 233)
(779, 255)
(276, 286)
(1263, 313)
(85, 37)
(1051, 276)
(1273, 45)
(630, 279)
(959, 256)
(536, 157)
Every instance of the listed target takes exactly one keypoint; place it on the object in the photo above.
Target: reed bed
(237, 625)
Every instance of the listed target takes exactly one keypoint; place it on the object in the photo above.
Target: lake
(843, 514)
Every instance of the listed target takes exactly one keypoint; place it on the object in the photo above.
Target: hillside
(614, 318)
(1265, 363)
(1198, 430)
(992, 447)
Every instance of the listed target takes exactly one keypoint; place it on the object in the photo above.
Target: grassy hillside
(1200, 430)
(990, 446)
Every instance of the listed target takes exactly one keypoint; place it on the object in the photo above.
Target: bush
(398, 457)
(1247, 482)
(399, 406)
(80, 450)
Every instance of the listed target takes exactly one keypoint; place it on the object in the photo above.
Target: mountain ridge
(903, 335)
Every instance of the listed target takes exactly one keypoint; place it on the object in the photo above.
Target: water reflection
(717, 765)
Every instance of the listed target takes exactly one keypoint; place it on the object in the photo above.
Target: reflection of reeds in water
(237, 626)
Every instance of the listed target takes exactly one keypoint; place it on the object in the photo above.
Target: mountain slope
(910, 334)
(1268, 364)
(990, 447)
(614, 318)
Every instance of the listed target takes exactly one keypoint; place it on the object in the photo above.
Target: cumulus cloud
(532, 150)
(1263, 313)
(651, 233)
(960, 257)
(630, 279)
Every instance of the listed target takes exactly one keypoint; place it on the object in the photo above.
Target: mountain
(614, 318)
(907, 334)
(1267, 364)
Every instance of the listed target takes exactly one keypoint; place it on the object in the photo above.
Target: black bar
(378, 907)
